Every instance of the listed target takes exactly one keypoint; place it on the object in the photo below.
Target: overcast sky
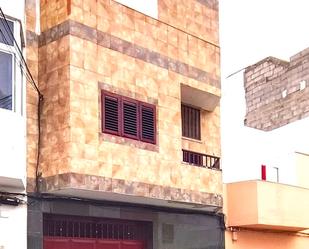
(251, 30)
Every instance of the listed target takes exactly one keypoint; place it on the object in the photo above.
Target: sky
(251, 30)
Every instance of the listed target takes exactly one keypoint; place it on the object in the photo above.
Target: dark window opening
(129, 118)
(7, 29)
(6, 81)
(191, 122)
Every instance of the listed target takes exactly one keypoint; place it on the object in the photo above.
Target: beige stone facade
(88, 46)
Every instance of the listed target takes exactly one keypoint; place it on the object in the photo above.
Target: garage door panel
(53, 243)
(108, 244)
(82, 244)
(131, 245)
(75, 232)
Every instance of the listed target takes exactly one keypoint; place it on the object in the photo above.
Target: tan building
(270, 215)
(129, 152)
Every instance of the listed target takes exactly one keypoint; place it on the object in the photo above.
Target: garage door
(73, 232)
(61, 243)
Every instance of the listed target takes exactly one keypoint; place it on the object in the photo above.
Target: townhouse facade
(129, 117)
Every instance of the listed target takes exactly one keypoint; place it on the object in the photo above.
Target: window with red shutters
(129, 118)
(191, 122)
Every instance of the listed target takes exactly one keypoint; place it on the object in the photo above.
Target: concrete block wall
(277, 91)
(89, 46)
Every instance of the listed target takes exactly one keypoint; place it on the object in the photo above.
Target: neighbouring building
(273, 211)
(13, 206)
(130, 124)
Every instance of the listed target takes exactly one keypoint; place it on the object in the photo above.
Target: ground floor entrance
(55, 223)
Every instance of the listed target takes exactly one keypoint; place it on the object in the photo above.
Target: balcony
(267, 205)
(201, 160)
(12, 147)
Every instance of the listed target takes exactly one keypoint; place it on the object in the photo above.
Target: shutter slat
(148, 123)
(130, 119)
(110, 114)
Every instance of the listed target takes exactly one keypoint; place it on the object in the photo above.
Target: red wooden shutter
(148, 123)
(110, 113)
(130, 118)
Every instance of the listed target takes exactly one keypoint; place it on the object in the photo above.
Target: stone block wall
(89, 46)
(277, 91)
(199, 18)
(32, 56)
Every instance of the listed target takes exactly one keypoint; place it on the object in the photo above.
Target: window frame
(199, 120)
(18, 88)
(139, 104)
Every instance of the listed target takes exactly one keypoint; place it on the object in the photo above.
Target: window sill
(192, 140)
(128, 141)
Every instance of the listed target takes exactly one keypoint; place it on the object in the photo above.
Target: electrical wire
(238, 71)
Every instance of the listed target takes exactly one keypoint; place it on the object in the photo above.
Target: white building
(13, 219)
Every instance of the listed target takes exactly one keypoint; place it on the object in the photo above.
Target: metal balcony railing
(201, 160)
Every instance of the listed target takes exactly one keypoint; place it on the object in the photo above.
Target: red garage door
(73, 232)
(70, 243)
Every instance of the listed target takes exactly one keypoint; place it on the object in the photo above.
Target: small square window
(191, 122)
